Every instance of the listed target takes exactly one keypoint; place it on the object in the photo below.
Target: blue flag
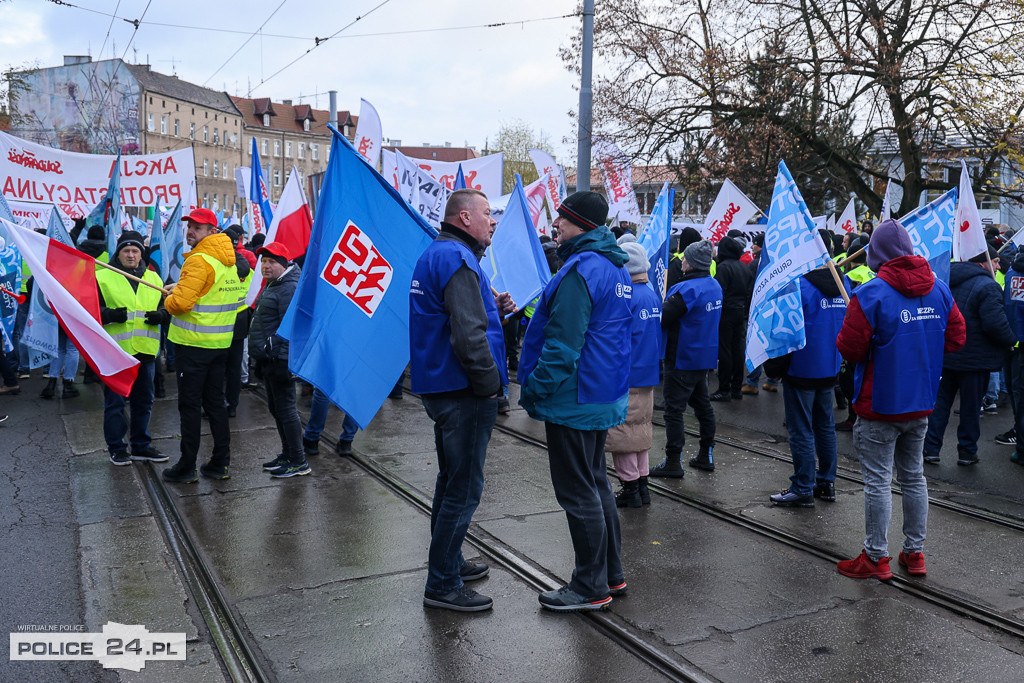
(460, 180)
(259, 198)
(515, 261)
(41, 328)
(931, 232)
(112, 208)
(156, 241)
(348, 322)
(792, 247)
(10, 277)
(655, 239)
(173, 247)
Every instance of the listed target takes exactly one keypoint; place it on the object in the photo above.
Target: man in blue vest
(690, 319)
(574, 370)
(897, 327)
(808, 382)
(1013, 300)
(458, 367)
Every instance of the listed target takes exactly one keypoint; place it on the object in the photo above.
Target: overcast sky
(457, 86)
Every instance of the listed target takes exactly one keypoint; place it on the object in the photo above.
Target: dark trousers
(684, 387)
(140, 405)
(732, 344)
(971, 385)
(580, 479)
(201, 387)
(233, 372)
(462, 430)
(281, 402)
(1017, 395)
(8, 363)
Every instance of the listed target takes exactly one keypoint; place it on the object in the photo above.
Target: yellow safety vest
(26, 273)
(861, 274)
(245, 290)
(133, 335)
(1001, 279)
(211, 322)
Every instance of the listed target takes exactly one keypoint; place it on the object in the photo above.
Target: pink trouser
(632, 466)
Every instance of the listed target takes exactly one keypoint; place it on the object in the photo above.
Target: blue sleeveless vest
(823, 318)
(603, 368)
(435, 367)
(907, 346)
(698, 328)
(646, 337)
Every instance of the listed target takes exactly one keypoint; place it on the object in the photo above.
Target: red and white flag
(368, 133)
(969, 235)
(848, 221)
(67, 278)
(731, 211)
(291, 227)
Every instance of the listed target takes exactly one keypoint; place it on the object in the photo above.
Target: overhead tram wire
(246, 42)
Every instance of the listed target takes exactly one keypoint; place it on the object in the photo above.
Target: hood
(821, 279)
(729, 248)
(909, 275)
(219, 246)
(600, 240)
(960, 273)
(1018, 261)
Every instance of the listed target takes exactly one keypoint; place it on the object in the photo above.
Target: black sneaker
(721, 396)
(120, 458)
(310, 446)
(211, 471)
(565, 599)
(149, 453)
(967, 459)
(343, 448)
(473, 571)
(279, 461)
(180, 475)
(825, 491)
(668, 470)
(1008, 438)
(291, 470)
(932, 458)
(791, 499)
(462, 599)
(70, 390)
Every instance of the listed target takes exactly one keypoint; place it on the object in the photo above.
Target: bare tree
(516, 139)
(849, 92)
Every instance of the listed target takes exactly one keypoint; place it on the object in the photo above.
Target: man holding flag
(458, 366)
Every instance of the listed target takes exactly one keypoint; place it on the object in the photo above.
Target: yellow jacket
(197, 277)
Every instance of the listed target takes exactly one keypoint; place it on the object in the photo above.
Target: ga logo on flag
(357, 270)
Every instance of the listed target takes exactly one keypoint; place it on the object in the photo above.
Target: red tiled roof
(288, 117)
(642, 175)
(437, 153)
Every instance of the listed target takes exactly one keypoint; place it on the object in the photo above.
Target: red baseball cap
(275, 249)
(202, 216)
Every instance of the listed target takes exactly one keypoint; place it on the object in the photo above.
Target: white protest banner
(33, 215)
(848, 220)
(76, 182)
(731, 211)
(535, 192)
(482, 173)
(545, 164)
(618, 181)
(368, 133)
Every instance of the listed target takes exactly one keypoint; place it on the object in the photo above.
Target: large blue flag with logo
(348, 323)
(173, 247)
(112, 207)
(792, 247)
(931, 232)
(259, 198)
(41, 328)
(515, 261)
(10, 278)
(655, 239)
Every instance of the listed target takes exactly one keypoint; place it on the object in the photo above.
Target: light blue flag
(112, 211)
(156, 242)
(515, 261)
(140, 226)
(348, 322)
(792, 247)
(931, 232)
(173, 246)
(10, 278)
(655, 239)
(41, 328)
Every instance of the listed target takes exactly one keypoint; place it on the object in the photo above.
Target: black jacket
(244, 317)
(822, 280)
(271, 304)
(735, 277)
(989, 336)
(93, 247)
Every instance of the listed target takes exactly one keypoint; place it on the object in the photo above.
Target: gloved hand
(157, 317)
(268, 347)
(116, 315)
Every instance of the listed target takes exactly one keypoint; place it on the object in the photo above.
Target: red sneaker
(914, 562)
(863, 567)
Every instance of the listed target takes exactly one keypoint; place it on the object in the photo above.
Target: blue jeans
(880, 446)
(139, 402)
(462, 429)
(580, 479)
(66, 361)
(318, 418)
(754, 376)
(971, 386)
(812, 433)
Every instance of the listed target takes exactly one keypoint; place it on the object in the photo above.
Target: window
(263, 149)
(150, 123)
(277, 148)
(288, 149)
(344, 130)
(177, 128)
(216, 135)
(277, 177)
(163, 125)
(206, 199)
(314, 151)
(216, 170)
(224, 170)
(225, 204)
(191, 131)
(266, 120)
(305, 125)
(163, 104)
(206, 167)
(302, 150)
(206, 133)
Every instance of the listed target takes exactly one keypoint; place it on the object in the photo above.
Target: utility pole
(586, 117)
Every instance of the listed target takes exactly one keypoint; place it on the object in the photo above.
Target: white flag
(368, 133)
(848, 220)
(968, 235)
(544, 163)
(618, 181)
(731, 210)
(885, 203)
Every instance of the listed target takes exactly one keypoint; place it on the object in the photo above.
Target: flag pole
(132, 277)
(851, 257)
(991, 268)
(839, 281)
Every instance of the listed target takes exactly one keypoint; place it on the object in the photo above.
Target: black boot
(671, 468)
(70, 390)
(628, 495)
(703, 461)
(50, 389)
(645, 493)
(310, 447)
(841, 402)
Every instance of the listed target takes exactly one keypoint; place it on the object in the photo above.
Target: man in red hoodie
(896, 330)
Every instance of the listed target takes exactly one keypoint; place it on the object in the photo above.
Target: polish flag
(68, 280)
(291, 227)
